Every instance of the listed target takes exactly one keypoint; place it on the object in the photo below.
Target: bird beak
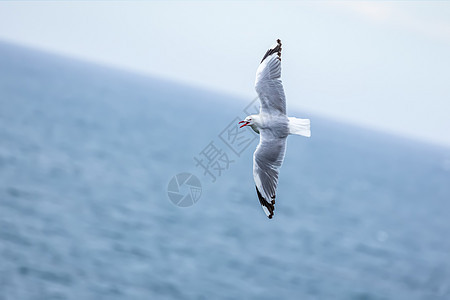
(245, 123)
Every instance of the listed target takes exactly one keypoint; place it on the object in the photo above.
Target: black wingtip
(270, 206)
(276, 49)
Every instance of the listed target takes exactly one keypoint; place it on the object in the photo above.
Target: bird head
(249, 120)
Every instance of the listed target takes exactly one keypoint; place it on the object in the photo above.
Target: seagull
(273, 126)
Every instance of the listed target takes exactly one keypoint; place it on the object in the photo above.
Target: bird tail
(299, 126)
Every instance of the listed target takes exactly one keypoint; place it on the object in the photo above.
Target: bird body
(273, 126)
(276, 125)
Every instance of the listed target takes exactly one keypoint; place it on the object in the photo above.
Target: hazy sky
(379, 64)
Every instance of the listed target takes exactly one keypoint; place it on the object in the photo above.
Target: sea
(95, 201)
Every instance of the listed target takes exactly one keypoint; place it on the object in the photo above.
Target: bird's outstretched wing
(267, 160)
(268, 82)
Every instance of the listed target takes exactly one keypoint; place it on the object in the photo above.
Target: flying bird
(273, 126)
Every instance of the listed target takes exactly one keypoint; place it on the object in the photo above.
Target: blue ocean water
(86, 155)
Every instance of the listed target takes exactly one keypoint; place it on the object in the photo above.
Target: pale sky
(384, 65)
